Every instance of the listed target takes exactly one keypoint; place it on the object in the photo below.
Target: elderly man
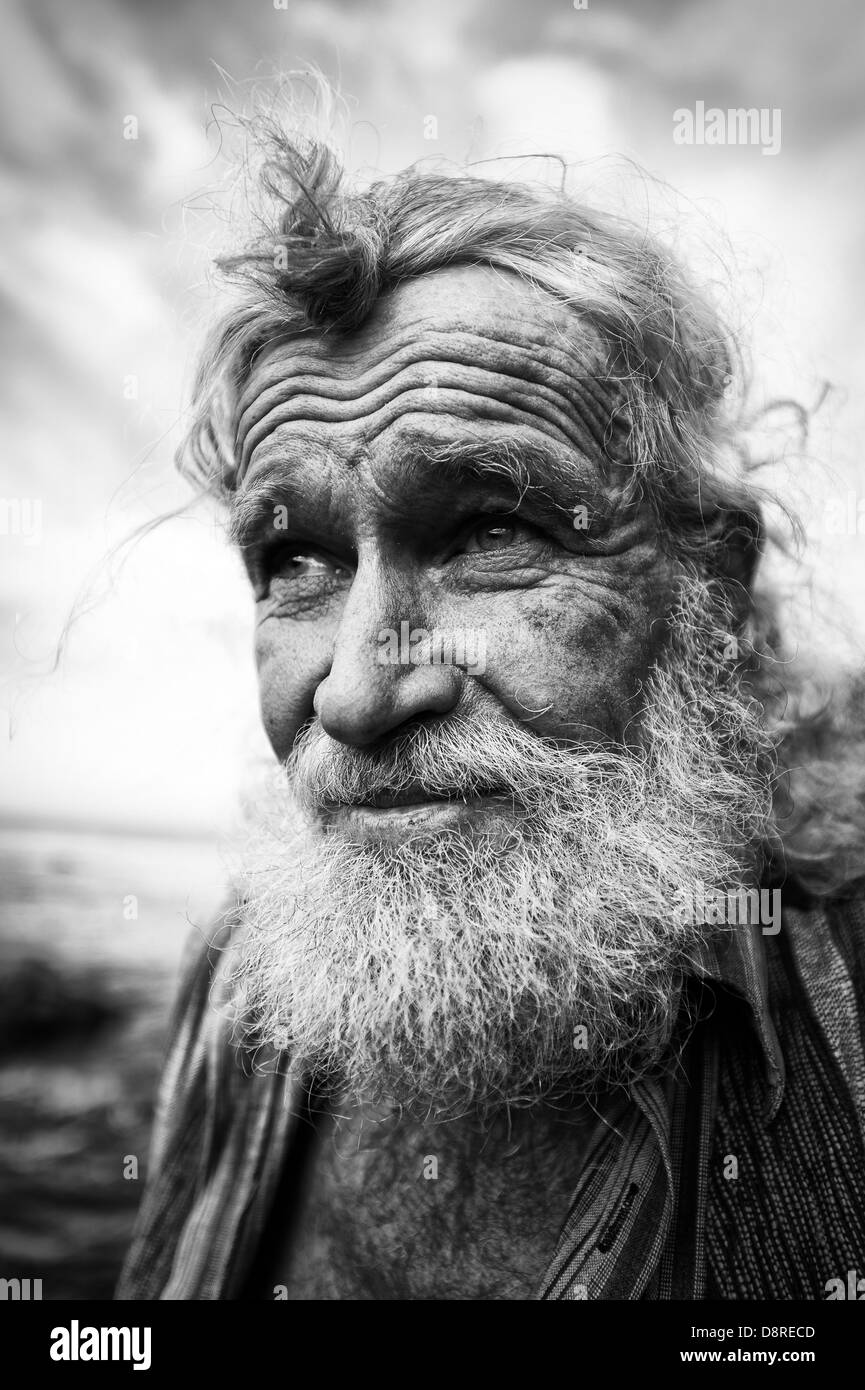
(539, 983)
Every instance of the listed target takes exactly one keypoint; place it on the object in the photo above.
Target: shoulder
(203, 967)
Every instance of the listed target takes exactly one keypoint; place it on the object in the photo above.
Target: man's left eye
(498, 534)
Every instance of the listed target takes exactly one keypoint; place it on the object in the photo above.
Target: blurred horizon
(149, 718)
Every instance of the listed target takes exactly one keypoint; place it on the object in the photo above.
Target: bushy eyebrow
(554, 476)
(526, 468)
(260, 500)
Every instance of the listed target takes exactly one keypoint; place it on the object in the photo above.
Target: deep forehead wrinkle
(508, 369)
(464, 381)
(345, 363)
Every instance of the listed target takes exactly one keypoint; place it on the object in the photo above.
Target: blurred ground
(85, 994)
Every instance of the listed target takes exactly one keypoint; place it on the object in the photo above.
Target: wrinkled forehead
(462, 350)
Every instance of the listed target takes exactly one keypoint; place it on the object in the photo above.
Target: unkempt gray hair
(324, 251)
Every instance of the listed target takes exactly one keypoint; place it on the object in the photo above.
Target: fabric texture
(737, 1172)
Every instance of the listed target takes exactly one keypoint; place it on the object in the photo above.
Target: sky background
(149, 715)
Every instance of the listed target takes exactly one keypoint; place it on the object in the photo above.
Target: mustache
(456, 758)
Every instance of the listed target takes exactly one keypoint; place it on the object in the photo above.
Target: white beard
(474, 969)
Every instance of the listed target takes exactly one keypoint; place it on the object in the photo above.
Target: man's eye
(497, 534)
(305, 571)
(299, 564)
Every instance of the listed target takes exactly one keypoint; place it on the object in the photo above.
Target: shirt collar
(737, 962)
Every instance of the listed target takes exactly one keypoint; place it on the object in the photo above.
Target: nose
(373, 686)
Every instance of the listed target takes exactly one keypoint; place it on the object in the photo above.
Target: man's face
(373, 457)
(463, 886)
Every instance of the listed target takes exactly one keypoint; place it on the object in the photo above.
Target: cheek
(574, 670)
(289, 672)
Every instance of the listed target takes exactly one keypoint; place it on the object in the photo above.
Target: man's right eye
(299, 563)
(285, 571)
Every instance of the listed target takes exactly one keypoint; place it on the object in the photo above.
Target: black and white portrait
(433, 821)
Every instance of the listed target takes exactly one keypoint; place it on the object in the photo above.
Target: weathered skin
(398, 1210)
(571, 631)
(389, 540)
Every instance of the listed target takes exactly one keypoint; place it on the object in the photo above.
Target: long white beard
(458, 969)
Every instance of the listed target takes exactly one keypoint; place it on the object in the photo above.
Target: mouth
(395, 815)
(415, 794)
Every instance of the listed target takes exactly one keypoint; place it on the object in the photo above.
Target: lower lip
(422, 817)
